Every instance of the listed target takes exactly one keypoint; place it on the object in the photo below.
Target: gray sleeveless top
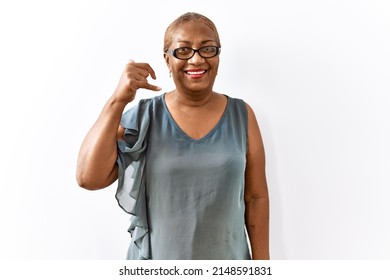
(185, 196)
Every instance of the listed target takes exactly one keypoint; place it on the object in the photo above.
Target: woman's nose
(196, 59)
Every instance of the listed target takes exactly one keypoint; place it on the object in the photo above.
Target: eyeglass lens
(187, 53)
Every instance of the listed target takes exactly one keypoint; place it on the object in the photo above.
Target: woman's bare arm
(96, 164)
(256, 192)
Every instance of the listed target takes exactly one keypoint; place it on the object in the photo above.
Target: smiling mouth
(195, 73)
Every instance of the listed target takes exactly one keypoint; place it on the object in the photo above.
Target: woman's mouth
(195, 73)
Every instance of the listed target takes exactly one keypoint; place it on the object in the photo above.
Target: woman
(190, 163)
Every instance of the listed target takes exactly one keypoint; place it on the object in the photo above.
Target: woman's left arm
(256, 192)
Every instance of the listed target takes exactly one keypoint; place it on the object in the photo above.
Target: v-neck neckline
(185, 134)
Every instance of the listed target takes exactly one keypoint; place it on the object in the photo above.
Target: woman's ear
(167, 58)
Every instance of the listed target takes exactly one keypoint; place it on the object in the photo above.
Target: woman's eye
(183, 50)
(208, 49)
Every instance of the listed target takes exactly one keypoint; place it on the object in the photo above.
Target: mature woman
(190, 163)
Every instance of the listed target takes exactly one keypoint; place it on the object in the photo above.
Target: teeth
(195, 72)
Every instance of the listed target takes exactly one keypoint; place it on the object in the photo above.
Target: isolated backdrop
(316, 73)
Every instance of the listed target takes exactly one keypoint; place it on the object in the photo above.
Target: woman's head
(191, 52)
(188, 18)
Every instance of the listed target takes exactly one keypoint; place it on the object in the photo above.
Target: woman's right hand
(134, 77)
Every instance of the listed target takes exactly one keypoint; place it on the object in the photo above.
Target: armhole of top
(245, 121)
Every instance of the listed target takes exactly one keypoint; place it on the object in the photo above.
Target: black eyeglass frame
(173, 52)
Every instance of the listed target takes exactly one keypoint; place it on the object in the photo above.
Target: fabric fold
(131, 191)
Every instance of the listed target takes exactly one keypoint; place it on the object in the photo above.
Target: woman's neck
(190, 99)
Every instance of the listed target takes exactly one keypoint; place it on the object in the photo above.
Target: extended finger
(140, 78)
(148, 68)
(143, 72)
(146, 85)
(139, 68)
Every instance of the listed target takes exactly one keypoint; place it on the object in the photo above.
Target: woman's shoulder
(145, 104)
(237, 101)
(237, 105)
(141, 110)
(151, 101)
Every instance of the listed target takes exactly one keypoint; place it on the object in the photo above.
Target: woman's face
(196, 74)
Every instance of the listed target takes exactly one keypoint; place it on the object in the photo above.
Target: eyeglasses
(185, 53)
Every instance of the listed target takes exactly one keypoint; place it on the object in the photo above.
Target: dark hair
(186, 18)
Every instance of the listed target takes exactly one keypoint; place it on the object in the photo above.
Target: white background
(317, 74)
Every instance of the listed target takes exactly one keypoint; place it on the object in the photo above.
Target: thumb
(131, 61)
